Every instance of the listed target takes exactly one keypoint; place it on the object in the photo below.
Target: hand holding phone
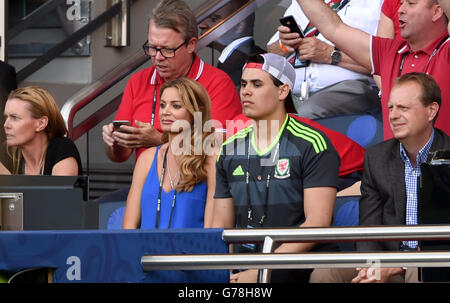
(289, 21)
(118, 123)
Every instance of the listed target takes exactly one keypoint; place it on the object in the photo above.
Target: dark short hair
(175, 15)
(430, 89)
(256, 58)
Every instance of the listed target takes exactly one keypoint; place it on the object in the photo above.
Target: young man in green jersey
(278, 172)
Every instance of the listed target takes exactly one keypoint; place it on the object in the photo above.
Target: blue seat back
(346, 213)
(116, 218)
(366, 130)
(111, 214)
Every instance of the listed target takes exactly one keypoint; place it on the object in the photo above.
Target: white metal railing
(338, 234)
(268, 260)
(303, 260)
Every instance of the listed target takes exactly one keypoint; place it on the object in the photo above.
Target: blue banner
(109, 256)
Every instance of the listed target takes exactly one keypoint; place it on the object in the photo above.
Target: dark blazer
(383, 189)
(7, 84)
(7, 81)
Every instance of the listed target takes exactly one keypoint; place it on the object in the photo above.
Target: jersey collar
(429, 49)
(194, 73)
(274, 142)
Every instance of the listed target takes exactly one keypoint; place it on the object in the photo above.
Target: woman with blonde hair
(35, 135)
(173, 184)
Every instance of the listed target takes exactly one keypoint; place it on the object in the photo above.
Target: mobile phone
(118, 123)
(289, 21)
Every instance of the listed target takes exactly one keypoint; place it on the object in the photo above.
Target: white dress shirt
(362, 14)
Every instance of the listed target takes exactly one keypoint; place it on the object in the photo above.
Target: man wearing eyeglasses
(172, 38)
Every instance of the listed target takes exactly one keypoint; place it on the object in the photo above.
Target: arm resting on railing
(318, 205)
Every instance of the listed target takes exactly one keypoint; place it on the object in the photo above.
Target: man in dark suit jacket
(389, 195)
(7, 84)
(391, 169)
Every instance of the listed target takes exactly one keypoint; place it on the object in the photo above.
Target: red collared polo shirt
(387, 56)
(137, 99)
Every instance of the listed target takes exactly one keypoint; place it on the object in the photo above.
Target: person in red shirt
(172, 39)
(389, 25)
(425, 48)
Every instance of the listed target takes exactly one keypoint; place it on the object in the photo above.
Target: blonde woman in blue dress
(173, 184)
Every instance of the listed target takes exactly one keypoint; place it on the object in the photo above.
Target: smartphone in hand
(290, 22)
(118, 123)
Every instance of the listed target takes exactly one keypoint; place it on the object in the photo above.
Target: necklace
(38, 170)
(32, 171)
(158, 206)
(168, 171)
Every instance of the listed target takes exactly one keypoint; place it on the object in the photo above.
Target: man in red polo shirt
(426, 48)
(172, 38)
(445, 4)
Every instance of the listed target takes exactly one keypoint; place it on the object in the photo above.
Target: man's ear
(433, 110)
(283, 91)
(42, 123)
(438, 12)
(191, 44)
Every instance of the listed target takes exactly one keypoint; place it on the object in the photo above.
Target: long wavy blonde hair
(40, 103)
(195, 99)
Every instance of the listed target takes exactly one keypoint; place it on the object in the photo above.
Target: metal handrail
(291, 261)
(85, 96)
(228, 22)
(69, 42)
(14, 196)
(203, 11)
(33, 17)
(268, 260)
(339, 234)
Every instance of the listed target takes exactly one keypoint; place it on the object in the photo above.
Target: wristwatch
(336, 56)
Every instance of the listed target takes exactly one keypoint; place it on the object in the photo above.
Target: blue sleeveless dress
(189, 210)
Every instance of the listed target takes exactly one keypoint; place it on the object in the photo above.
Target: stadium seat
(346, 213)
(366, 130)
(110, 214)
(116, 218)
(362, 130)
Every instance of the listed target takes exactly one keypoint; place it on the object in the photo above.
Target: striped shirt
(412, 173)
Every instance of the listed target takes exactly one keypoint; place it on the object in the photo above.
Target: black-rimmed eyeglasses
(165, 52)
